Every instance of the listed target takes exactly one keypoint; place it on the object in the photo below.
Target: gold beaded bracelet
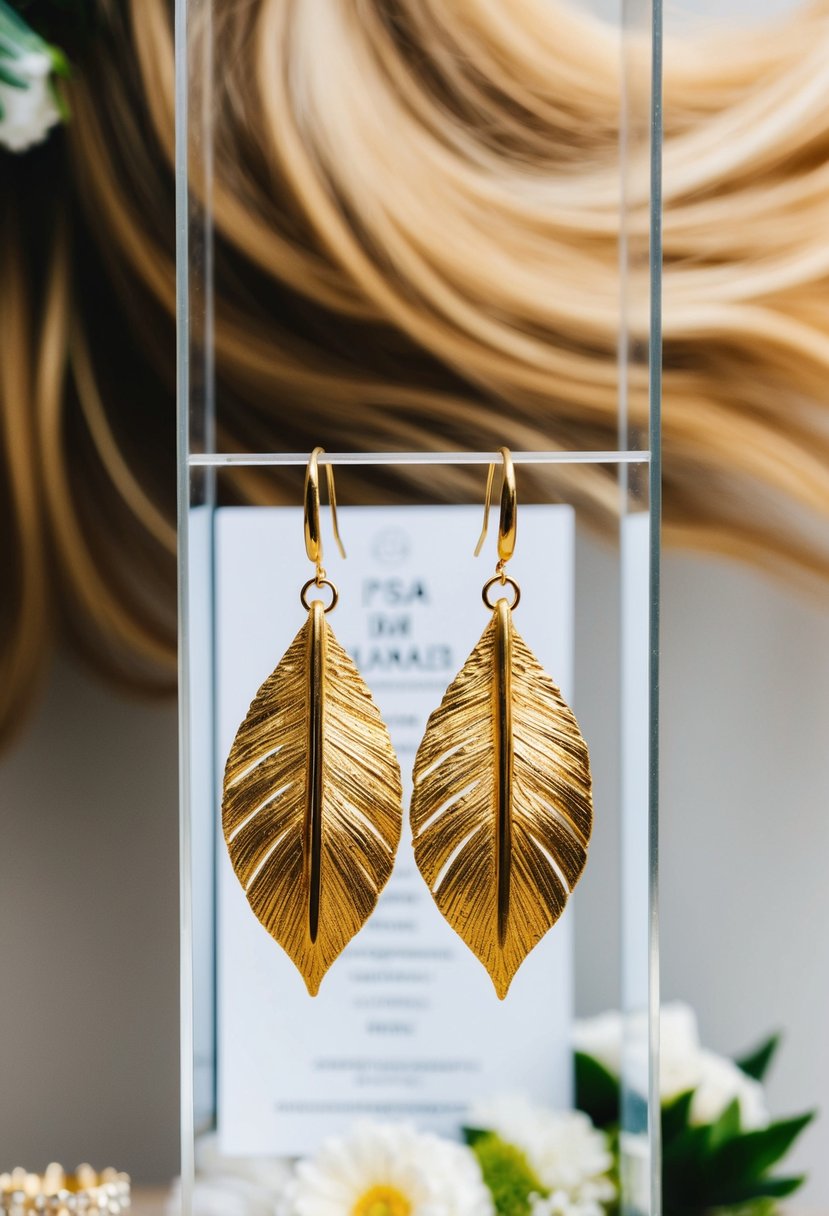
(56, 1193)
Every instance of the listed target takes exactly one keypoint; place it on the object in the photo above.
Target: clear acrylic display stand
(623, 698)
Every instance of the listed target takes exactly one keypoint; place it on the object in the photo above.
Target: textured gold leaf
(501, 810)
(312, 806)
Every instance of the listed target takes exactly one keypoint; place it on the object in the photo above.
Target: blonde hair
(416, 246)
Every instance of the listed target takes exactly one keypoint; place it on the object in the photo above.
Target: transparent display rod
(242, 459)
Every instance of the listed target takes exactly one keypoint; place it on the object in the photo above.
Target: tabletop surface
(150, 1201)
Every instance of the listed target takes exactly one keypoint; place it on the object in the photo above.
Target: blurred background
(89, 893)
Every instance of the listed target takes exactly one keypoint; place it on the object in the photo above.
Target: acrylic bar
(278, 459)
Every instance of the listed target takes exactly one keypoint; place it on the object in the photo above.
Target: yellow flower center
(382, 1201)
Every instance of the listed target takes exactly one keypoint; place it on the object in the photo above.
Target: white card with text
(407, 1025)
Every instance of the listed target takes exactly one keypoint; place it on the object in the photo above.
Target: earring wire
(313, 534)
(508, 519)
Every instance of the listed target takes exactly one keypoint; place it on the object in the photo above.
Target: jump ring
(502, 582)
(315, 582)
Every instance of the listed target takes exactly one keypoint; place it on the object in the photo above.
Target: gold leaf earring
(312, 805)
(501, 810)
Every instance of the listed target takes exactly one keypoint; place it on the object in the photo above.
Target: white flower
(601, 1038)
(388, 1170)
(29, 113)
(233, 1186)
(566, 1152)
(679, 1050)
(720, 1082)
(560, 1203)
(683, 1063)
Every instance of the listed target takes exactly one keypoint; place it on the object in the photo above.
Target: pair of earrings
(501, 812)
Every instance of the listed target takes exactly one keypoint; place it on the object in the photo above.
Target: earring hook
(313, 535)
(508, 519)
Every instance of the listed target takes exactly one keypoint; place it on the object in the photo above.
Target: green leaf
(753, 1191)
(779, 1188)
(508, 1175)
(676, 1116)
(597, 1090)
(748, 1156)
(684, 1178)
(756, 1063)
(708, 1167)
(473, 1134)
(10, 78)
(725, 1128)
(15, 33)
(60, 64)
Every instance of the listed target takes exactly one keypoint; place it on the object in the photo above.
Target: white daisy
(566, 1152)
(388, 1170)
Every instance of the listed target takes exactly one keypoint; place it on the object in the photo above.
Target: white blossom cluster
(684, 1063)
(28, 105)
(570, 1158)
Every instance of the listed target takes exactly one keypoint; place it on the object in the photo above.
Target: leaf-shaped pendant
(312, 805)
(502, 809)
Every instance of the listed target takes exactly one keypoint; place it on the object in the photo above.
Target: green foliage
(756, 1063)
(739, 1163)
(717, 1165)
(507, 1173)
(16, 37)
(675, 1115)
(10, 78)
(19, 37)
(597, 1091)
(473, 1134)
